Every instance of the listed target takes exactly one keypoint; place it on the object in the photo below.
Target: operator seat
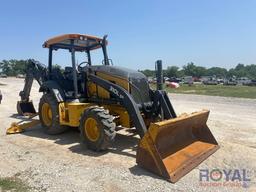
(68, 76)
(68, 73)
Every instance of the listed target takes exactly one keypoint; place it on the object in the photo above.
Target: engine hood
(118, 71)
(138, 81)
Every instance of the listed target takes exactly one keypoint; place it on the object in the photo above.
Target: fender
(54, 88)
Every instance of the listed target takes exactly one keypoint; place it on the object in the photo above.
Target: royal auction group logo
(225, 178)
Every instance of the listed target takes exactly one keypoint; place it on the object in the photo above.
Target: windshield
(62, 58)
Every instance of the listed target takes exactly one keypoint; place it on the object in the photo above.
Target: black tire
(54, 126)
(105, 125)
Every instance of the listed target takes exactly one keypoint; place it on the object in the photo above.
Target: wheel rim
(47, 114)
(91, 129)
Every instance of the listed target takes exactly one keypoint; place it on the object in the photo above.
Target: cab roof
(81, 42)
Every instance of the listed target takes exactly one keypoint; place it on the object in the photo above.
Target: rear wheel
(97, 128)
(49, 115)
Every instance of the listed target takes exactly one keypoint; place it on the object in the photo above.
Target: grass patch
(216, 90)
(13, 184)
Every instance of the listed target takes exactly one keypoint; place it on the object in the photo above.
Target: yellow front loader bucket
(172, 148)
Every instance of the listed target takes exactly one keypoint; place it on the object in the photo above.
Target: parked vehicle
(1, 97)
(243, 81)
(188, 80)
(231, 81)
(251, 83)
(172, 84)
(166, 79)
(20, 76)
(220, 80)
(3, 75)
(174, 79)
(210, 81)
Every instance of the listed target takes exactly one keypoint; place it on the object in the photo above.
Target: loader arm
(160, 102)
(125, 99)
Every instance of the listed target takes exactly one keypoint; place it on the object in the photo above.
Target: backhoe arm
(37, 71)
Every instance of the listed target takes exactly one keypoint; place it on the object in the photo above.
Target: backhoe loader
(98, 98)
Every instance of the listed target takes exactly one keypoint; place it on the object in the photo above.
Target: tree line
(13, 67)
(191, 69)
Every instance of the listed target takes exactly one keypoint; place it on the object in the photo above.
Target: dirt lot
(59, 163)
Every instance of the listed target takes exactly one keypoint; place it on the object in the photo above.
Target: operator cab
(71, 79)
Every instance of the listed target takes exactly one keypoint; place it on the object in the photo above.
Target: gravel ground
(60, 163)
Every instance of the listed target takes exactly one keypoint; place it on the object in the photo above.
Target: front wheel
(97, 128)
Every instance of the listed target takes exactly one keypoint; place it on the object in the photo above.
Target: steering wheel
(79, 67)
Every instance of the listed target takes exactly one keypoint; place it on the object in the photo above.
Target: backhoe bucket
(24, 108)
(171, 148)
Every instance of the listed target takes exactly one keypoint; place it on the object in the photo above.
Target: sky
(209, 33)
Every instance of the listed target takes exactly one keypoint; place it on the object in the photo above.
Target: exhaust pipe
(159, 75)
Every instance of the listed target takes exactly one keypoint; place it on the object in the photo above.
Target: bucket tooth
(172, 148)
